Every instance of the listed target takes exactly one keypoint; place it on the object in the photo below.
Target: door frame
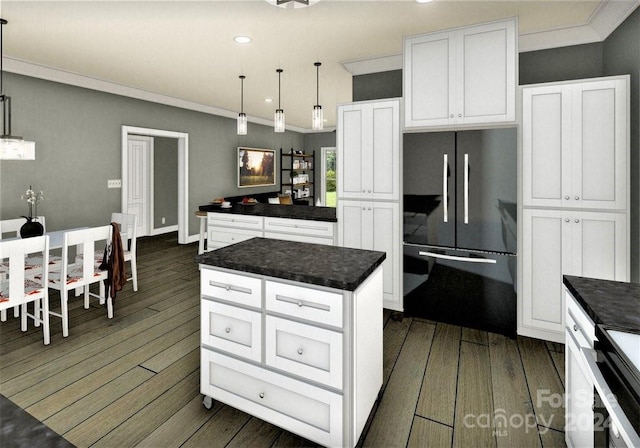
(183, 172)
(323, 172)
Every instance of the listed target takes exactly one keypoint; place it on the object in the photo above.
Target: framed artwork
(256, 167)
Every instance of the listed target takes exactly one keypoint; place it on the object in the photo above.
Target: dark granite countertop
(277, 211)
(316, 264)
(615, 304)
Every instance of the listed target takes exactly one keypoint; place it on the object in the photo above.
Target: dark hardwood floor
(134, 380)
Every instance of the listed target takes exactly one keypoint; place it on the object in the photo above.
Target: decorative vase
(31, 228)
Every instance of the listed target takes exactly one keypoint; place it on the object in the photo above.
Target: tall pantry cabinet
(368, 167)
(575, 198)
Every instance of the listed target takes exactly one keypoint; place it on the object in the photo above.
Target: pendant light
(279, 117)
(317, 120)
(11, 147)
(242, 117)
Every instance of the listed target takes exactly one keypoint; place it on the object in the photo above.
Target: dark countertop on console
(615, 304)
(317, 264)
(277, 211)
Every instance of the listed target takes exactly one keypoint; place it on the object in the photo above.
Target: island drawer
(299, 226)
(235, 221)
(231, 329)
(223, 236)
(295, 405)
(240, 289)
(305, 303)
(310, 352)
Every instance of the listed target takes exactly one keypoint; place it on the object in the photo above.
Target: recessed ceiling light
(424, 1)
(242, 39)
(268, 100)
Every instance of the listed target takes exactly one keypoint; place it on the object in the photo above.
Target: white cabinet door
(429, 66)
(461, 77)
(600, 140)
(375, 226)
(599, 245)
(565, 242)
(575, 144)
(486, 78)
(368, 141)
(545, 145)
(542, 268)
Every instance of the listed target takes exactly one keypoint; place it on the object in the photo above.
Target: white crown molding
(26, 68)
(373, 65)
(605, 19)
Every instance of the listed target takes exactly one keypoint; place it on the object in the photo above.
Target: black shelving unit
(293, 164)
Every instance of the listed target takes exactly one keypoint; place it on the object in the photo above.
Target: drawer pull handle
(228, 287)
(301, 303)
(300, 351)
(261, 394)
(227, 330)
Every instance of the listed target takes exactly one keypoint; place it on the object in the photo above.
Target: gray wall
(375, 86)
(165, 182)
(77, 133)
(618, 54)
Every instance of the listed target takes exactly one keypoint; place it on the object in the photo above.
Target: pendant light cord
(317, 64)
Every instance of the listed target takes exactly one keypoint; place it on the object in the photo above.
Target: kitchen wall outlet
(114, 183)
(163, 220)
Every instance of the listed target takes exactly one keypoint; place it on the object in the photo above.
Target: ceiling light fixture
(242, 117)
(317, 123)
(242, 39)
(11, 146)
(279, 117)
(292, 3)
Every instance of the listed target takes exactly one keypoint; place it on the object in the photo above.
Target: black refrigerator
(459, 228)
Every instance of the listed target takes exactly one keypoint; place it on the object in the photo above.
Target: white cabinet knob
(460, 115)
(566, 220)
(577, 197)
(369, 208)
(261, 394)
(567, 197)
(451, 116)
(227, 330)
(576, 220)
(300, 303)
(300, 351)
(575, 327)
(369, 191)
(228, 287)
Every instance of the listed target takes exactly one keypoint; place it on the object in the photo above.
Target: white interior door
(138, 181)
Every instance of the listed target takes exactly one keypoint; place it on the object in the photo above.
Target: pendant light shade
(278, 122)
(317, 119)
(11, 147)
(242, 117)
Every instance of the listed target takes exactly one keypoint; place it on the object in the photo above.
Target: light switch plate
(114, 183)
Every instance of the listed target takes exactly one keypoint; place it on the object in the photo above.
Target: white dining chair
(128, 231)
(10, 228)
(18, 288)
(82, 272)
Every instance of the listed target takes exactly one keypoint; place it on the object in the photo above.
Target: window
(328, 183)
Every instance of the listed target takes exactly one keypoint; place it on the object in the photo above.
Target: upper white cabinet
(461, 77)
(368, 141)
(575, 144)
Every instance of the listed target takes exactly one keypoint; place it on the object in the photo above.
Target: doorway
(134, 155)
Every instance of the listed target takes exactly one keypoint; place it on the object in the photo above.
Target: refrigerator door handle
(466, 188)
(454, 258)
(445, 189)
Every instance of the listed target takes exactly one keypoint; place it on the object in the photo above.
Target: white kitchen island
(292, 333)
